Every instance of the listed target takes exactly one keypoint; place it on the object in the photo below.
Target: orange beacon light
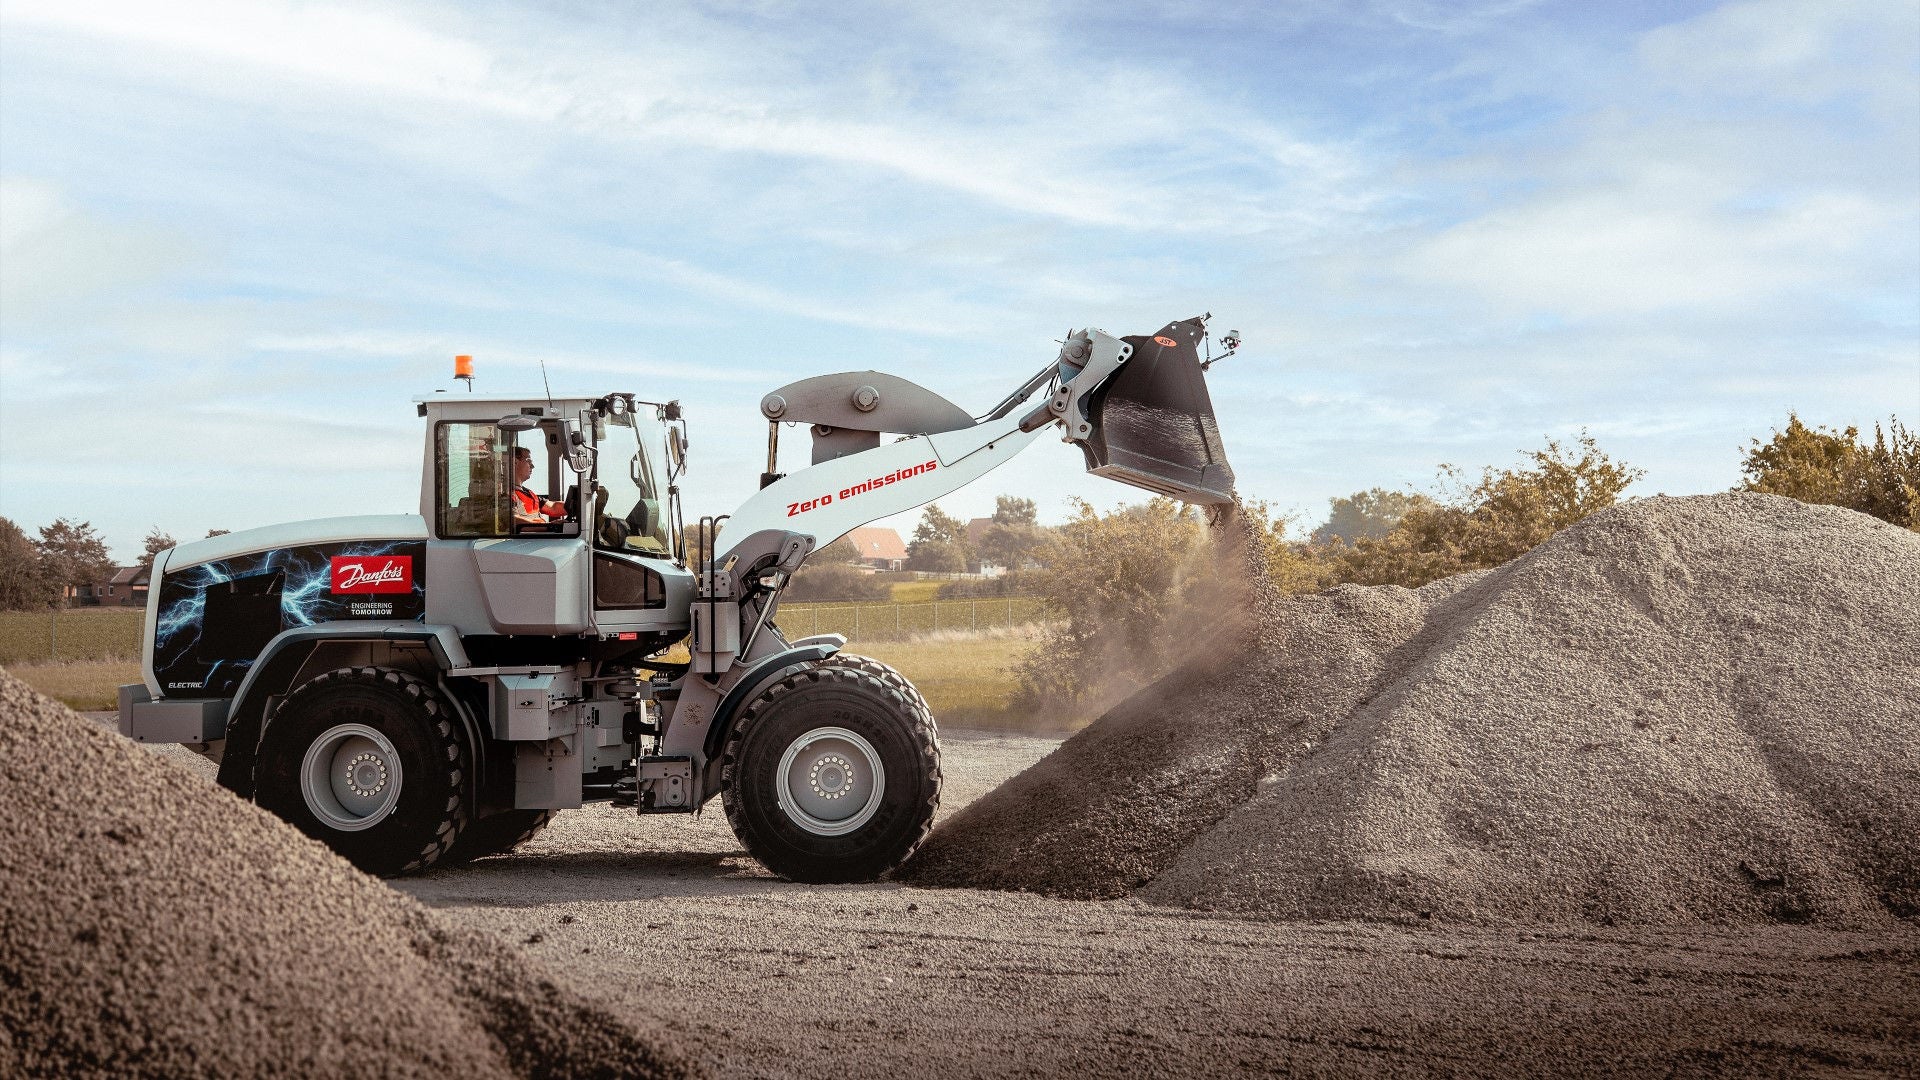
(463, 370)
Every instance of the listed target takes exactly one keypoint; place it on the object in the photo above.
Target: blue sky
(237, 238)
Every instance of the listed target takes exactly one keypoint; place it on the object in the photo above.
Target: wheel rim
(351, 777)
(830, 781)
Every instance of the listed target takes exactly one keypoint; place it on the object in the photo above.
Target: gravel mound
(152, 924)
(1680, 710)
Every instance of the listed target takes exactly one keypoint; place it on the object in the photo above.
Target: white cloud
(1078, 141)
(1649, 246)
(1695, 191)
(53, 255)
(1802, 50)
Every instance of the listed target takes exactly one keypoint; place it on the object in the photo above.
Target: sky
(237, 239)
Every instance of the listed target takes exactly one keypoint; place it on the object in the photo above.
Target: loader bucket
(1153, 423)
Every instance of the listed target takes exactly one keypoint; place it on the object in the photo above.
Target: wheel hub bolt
(366, 774)
(831, 777)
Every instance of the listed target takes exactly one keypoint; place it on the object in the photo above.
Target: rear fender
(287, 657)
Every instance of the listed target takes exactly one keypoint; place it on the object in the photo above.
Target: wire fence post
(53, 634)
(814, 613)
(856, 620)
(936, 616)
(896, 619)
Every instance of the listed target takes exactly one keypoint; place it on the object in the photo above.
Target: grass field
(85, 685)
(36, 637)
(915, 592)
(967, 679)
(966, 676)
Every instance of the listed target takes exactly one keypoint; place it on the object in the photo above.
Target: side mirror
(579, 454)
(676, 451)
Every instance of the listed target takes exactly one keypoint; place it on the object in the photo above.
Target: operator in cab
(528, 507)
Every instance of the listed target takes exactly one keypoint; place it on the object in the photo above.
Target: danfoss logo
(372, 573)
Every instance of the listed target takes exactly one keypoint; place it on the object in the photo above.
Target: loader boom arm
(829, 500)
(1137, 407)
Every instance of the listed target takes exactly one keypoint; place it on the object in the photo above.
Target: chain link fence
(886, 621)
(66, 634)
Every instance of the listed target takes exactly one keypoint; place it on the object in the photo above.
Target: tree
(1015, 536)
(939, 543)
(74, 555)
(839, 552)
(1012, 510)
(1367, 515)
(1822, 465)
(1501, 517)
(24, 580)
(1131, 592)
(157, 542)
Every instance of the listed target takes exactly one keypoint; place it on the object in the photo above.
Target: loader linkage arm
(1137, 407)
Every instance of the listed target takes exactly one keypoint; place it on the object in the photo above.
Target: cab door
(507, 552)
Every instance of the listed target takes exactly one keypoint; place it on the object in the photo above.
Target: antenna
(545, 383)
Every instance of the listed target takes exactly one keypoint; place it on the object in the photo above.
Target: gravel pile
(152, 924)
(1680, 710)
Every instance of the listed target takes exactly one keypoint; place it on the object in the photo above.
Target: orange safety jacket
(526, 501)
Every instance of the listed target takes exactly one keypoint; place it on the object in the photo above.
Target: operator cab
(555, 519)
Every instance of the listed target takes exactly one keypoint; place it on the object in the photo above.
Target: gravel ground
(152, 925)
(667, 922)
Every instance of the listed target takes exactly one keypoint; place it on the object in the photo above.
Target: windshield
(634, 510)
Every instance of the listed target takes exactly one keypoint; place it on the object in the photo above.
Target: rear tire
(497, 834)
(368, 762)
(833, 774)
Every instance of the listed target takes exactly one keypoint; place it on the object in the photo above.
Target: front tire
(368, 762)
(833, 774)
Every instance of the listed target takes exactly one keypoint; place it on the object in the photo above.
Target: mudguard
(281, 659)
(757, 677)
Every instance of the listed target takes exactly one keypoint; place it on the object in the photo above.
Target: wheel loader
(416, 689)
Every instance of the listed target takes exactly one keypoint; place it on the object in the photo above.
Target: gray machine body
(510, 628)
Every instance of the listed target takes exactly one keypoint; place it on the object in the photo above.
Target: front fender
(749, 685)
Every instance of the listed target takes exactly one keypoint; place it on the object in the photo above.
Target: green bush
(1498, 518)
(1011, 583)
(1126, 591)
(1821, 465)
(835, 581)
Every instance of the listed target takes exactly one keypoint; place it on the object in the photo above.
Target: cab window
(491, 482)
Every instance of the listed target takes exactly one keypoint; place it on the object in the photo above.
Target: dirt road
(669, 919)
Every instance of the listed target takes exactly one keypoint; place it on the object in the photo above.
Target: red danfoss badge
(372, 573)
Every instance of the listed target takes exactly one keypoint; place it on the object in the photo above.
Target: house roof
(128, 575)
(977, 530)
(878, 543)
